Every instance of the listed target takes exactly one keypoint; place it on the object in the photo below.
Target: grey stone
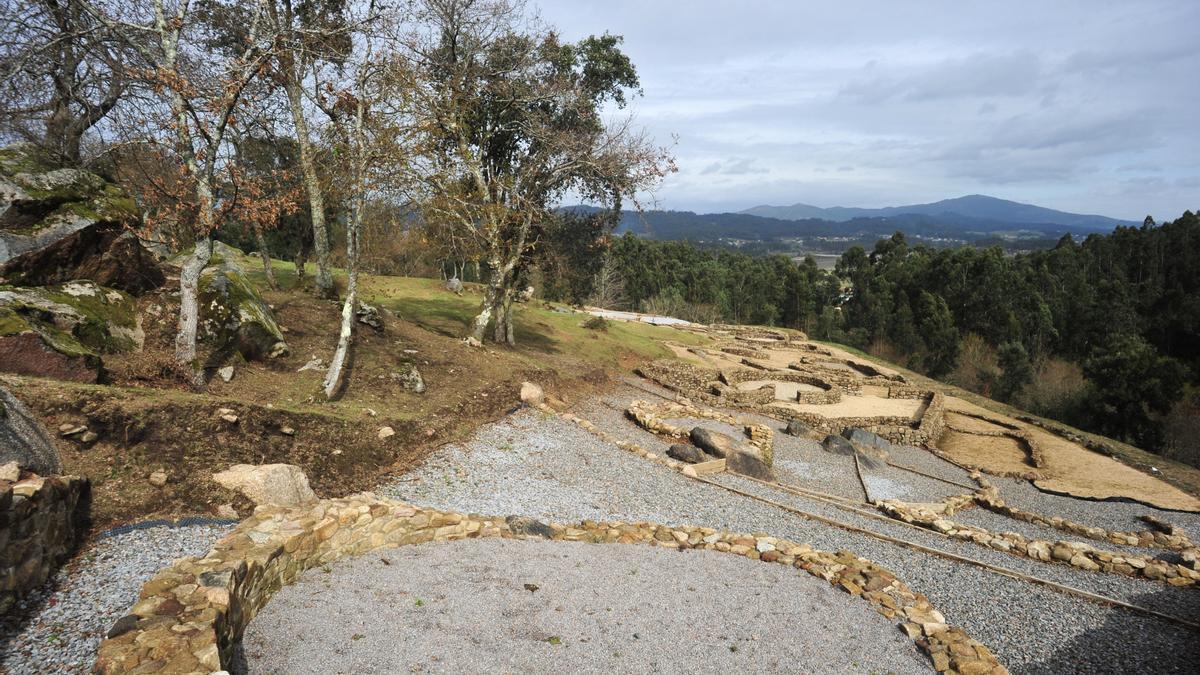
(746, 462)
(410, 378)
(369, 315)
(123, 626)
(226, 373)
(454, 285)
(24, 440)
(712, 442)
(529, 526)
(838, 445)
(864, 437)
(796, 428)
(686, 453)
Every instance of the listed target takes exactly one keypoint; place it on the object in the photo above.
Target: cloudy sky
(1081, 106)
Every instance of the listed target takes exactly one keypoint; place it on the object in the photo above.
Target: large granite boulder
(282, 484)
(866, 438)
(62, 331)
(687, 453)
(40, 204)
(715, 443)
(744, 460)
(232, 313)
(23, 439)
(105, 253)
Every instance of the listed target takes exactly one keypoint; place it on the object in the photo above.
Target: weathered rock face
(714, 443)
(105, 253)
(61, 331)
(23, 439)
(40, 204)
(687, 453)
(283, 484)
(745, 461)
(233, 315)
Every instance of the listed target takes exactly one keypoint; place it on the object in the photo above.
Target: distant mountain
(973, 207)
(939, 228)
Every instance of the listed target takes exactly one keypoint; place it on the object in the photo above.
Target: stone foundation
(191, 614)
(41, 522)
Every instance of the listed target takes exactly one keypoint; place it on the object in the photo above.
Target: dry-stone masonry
(41, 521)
(191, 614)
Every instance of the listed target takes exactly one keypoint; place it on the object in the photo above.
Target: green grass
(539, 332)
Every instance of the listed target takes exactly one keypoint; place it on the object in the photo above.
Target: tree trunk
(268, 269)
(189, 309)
(491, 295)
(312, 185)
(301, 261)
(346, 335)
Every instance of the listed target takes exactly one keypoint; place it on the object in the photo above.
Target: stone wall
(41, 521)
(192, 614)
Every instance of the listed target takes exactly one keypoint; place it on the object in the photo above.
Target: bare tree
(61, 72)
(202, 92)
(511, 122)
(608, 287)
(318, 34)
(368, 131)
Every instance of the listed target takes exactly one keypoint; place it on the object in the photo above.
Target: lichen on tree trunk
(189, 310)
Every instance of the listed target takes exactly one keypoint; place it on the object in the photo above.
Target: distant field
(825, 261)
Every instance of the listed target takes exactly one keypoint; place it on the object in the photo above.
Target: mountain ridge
(973, 207)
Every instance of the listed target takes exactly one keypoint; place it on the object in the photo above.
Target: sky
(1087, 107)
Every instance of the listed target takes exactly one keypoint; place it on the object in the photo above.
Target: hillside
(834, 233)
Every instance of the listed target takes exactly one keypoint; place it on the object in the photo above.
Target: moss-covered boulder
(58, 225)
(62, 331)
(40, 203)
(233, 316)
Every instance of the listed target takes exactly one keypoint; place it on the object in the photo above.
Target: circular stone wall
(520, 606)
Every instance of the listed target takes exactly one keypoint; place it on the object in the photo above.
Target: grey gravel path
(538, 465)
(58, 629)
(463, 607)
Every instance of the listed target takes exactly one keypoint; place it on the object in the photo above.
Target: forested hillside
(1103, 333)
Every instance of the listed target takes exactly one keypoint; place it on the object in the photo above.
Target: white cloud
(1079, 105)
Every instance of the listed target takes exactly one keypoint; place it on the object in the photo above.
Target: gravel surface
(58, 629)
(995, 522)
(465, 607)
(803, 463)
(538, 465)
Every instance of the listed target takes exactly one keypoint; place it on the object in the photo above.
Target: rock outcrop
(41, 204)
(23, 439)
(233, 315)
(282, 484)
(61, 331)
(105, 253)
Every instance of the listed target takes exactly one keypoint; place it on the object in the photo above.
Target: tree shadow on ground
(1129, 642)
